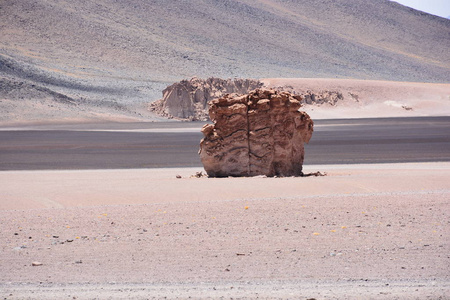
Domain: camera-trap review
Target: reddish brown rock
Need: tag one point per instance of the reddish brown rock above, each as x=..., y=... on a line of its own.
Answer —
x=261, y=133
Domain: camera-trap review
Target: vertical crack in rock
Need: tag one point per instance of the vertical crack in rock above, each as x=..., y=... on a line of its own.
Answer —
x=261, y=133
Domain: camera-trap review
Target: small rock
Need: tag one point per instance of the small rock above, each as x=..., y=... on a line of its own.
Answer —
x=178, y=176
x=79, y=261
x=199, y=175
x=36, y=263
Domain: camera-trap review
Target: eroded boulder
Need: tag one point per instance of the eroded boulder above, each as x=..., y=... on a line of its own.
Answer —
x=261, y=133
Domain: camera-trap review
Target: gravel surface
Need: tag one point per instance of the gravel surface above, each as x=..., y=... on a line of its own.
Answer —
x=370, y=231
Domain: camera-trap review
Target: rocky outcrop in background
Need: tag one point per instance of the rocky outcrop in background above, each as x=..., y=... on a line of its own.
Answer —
x=261, y=133
x=316, y=97
x=188, y=99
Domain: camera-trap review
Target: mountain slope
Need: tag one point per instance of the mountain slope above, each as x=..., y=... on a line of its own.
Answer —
x=128, y=51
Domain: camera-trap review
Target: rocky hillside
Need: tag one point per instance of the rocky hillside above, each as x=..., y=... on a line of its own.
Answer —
x=127, y=52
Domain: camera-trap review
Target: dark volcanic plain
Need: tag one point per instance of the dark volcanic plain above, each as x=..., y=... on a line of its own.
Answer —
x=174, y=144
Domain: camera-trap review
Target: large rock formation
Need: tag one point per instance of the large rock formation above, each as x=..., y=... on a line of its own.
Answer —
x=188, y=99
x=261, y=133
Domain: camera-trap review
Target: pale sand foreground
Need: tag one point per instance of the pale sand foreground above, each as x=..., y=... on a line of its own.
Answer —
x=364, y=231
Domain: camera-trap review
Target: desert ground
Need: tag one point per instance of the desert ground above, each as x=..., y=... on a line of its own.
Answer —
x=363, y=231
x=376, y=231
x=372, y=98
x=72, y=227
x=83, y=215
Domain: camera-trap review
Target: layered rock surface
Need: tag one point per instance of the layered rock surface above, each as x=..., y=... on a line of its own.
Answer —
x=188, y=99
x=261, y=133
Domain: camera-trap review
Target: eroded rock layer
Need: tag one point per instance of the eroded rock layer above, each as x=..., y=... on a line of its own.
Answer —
x=188, y=99
x=261, y=133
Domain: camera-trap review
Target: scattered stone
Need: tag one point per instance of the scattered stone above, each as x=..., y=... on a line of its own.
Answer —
x=36, y=263
x=261, y=133
x=199, y=175
x=79, y=261
x=316, y=174
x=178, y=176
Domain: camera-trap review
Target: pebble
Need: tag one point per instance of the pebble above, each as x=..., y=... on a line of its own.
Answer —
x=36, y=263
x=19, y=248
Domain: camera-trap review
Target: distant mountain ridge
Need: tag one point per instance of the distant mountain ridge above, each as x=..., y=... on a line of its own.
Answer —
x=129, y=51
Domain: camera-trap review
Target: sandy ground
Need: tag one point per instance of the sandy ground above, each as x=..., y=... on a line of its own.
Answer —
x=375, y=98
x=376, y=231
